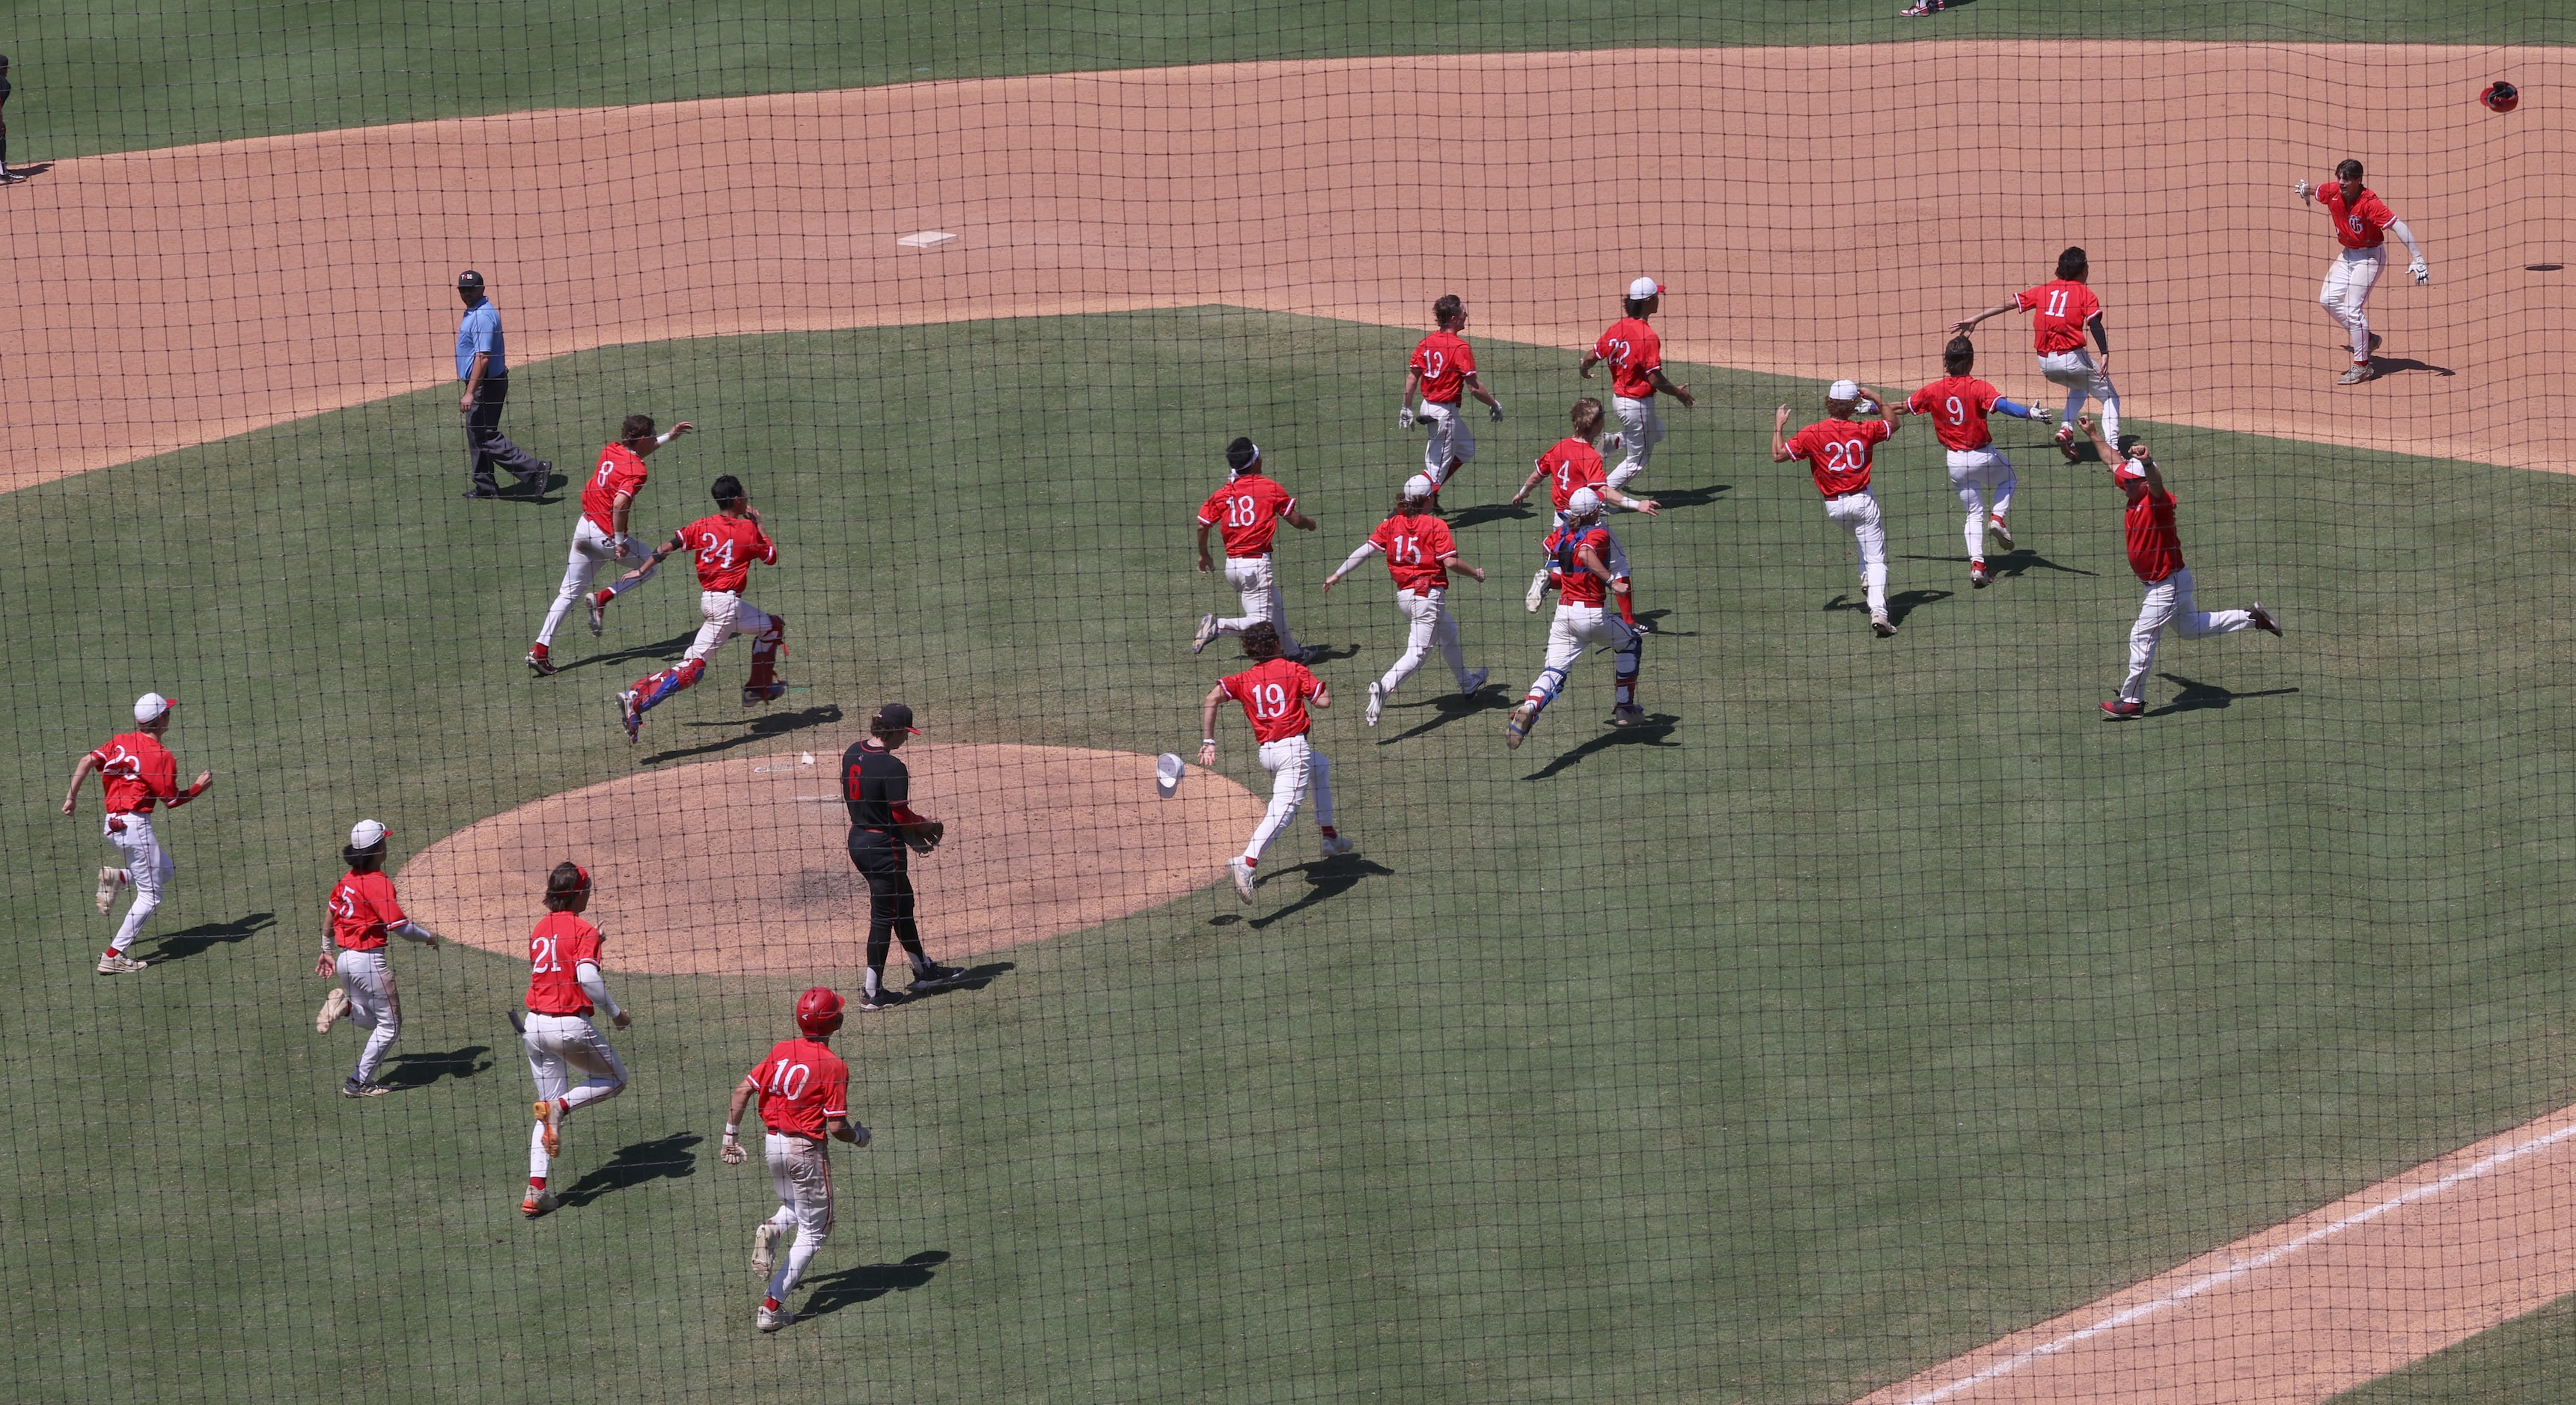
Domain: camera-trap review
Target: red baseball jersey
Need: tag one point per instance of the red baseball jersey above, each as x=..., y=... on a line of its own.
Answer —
x=1444, y=361
x=1273, y=693
x=2362, y=225
x=1572, y=464
x=1958, y=406
x=2063, y=307
x=362, y=907
x=2155, y=547
x=802, y=1084
x=1413, y=547
x=1838, y=453
x=1248, y=510
x=134, y=771
x=556, y=950
x=726, y=547
x=1632, y=349
x=1575, y=583
x=620, y=471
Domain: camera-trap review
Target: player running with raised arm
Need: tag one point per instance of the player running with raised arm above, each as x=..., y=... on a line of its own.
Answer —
x=1838, y=450
x=1572, y=465
x=2064, y=309
x=2155, y=553
x=602, y=536
x=364, y=913
x=135, y=772
x=2362, y=224
x=1583, y=578
x=1636, y=357
x=564, y=988
x=1442, y=369
x=1248, y=511
x=1958, y=404
x=1275, y=692
x=1420, y=554
x=726, y=545
x=801, y=1090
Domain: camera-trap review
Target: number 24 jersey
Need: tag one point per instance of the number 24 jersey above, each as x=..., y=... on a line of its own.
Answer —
x=726, y=547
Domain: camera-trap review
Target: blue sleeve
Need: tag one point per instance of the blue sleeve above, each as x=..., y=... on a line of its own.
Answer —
x=2019, y=412
x=482, y=326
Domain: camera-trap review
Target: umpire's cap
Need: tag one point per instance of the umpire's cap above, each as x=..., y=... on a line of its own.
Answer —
x=470, y=279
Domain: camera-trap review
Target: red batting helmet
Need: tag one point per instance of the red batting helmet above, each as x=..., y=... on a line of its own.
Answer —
x=818, y=1012
x=2500, y=96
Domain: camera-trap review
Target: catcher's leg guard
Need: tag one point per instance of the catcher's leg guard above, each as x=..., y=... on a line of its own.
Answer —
x=1624, y=667
x=652, y=688
x=767, y=648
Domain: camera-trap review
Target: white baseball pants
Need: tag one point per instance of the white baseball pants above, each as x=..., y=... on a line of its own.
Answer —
x=1640, y=430
x=374, y=1005
x=1576, y=629
x=1450, y=438
x=2075, y=371
x=2168, y=602
x=147, y=868
x=801, y=1172
x=590, y=551
x=557, y=1046
x=1432, y=626
x=1858, y=515
x=727, y=614
x=1293, y=766
x=2349, y=280
x=1984, y=479
x=1254, y=578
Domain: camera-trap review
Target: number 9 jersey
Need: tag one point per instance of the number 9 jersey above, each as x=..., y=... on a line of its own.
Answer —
x=1273, y=693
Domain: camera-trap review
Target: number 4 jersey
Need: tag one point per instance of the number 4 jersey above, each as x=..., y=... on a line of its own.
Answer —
x=726, y=547
x=1273, y=693
x=555, y=952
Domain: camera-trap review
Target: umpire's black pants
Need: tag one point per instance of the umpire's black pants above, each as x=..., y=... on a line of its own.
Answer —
x=487, y=448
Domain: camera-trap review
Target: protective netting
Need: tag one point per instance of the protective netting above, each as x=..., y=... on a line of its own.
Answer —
x=1827, y=1011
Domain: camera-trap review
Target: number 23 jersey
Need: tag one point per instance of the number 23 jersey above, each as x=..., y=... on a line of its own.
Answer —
x=1273, y=693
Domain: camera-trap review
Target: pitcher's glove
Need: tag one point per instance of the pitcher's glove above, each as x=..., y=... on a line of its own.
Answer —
x=922, y=836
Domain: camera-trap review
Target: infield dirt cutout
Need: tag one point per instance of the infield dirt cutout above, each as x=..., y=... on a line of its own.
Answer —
x=741, y=865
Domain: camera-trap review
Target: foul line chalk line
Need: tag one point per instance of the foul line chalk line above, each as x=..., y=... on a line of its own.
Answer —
x=2233, y=1272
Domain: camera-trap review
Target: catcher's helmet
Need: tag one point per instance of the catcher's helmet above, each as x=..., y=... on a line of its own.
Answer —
x=2500, y=96
x=818, y=1012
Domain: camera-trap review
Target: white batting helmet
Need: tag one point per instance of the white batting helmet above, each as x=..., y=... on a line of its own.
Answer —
x=1584, y=503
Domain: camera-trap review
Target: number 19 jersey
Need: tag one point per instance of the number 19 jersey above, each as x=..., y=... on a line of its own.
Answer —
x=1273, y=693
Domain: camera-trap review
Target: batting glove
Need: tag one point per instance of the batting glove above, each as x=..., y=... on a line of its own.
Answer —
x=1496, y=411
x=1404, y=418
x=731, y=1152
x=2423, y=271
x=2302, y=189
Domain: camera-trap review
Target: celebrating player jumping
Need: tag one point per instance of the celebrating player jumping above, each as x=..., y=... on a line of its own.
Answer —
x=1838, y=449
x=601, y=536
x=1958, y=404
x=2064, y=309
x=726, y=545
x=564, y=987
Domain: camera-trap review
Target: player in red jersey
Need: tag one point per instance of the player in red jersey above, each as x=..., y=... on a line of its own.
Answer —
x=1838, y=450
x=2362, y=224
x=2064, y=310
x=726, y=546
x=2155, y=553
x=1583, y=580
x=1636, y=357
x=1570, y=466
x=364, y=912
x=1420, y=554
x=1958, y=404
x=601, y=536
x=1443, y=368
x=1275, y=692
x=1249, y=509
x=564, y=987
x=802, y=1090
x=135, y=772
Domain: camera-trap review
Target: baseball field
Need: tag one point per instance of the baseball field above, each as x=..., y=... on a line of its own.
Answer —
x=1867, y=1023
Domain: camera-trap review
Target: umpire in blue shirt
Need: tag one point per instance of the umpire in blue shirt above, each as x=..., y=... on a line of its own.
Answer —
x=486, y=373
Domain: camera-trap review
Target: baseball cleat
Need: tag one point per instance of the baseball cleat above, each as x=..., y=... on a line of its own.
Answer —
x=1516, y=728
x=1995, y=528
x=540, y=665
x=550, y=1121
x=113, y=964
x=334, y=1005
x=540, y=480
x=769, y=1319
x=1376, y=701
x=2123, y=709
x=1881, y=625
x=764, y=1248
x=1641, y=626
x=631, y=716
x=2358, y=374
x=1627, y=715
x=1207, y=631
x=352, y=1088
x=109, y=880
x=11, y=178
x=883, y=999
x=1537, y=591
x=538, y=1202
x=1978, y=575
x=1475, y=683
x=1336, y=845
x=2263, y=620
x=935, y=977
x=1242, y=875
x=599, y=611
x=764, y=693
x=2066, y=443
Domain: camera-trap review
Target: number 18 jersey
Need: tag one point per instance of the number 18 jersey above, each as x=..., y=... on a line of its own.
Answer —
x=1273, y=693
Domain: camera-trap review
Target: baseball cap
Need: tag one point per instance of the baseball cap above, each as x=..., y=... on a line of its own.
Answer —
x=469, y=279
x=1584, y=500
x=367, y=834
x=1420, y=486
x=894, y=717
x=152, y=705
x=1644, y=288
x=1242, y=454
x=1843, y=390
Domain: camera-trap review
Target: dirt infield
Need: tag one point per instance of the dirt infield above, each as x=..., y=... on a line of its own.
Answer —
x=739, y=865
x=1805, y=227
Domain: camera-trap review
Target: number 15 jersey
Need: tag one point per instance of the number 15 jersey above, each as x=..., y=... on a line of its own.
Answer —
x=1273, y=693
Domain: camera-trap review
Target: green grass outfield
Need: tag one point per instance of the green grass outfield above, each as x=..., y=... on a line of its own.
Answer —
x=1878, y=1000
x=115, y=78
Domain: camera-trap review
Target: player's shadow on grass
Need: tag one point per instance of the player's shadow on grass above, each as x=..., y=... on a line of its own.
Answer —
x=776, y=724
x=977, y=977
x=1899, y=605
x=37, y=169
x=1654, y=622
x=422, y=1069
x=663, y=651
x=2399, y=365
x=1678, y=497
x=2196, y=696
x=1485, y=512
x=1448, y=708
x=1325, y=878
x=1656, y=730
x=2012, y=565
x=663, y=1158
x=205, y=936
x=868, y=1282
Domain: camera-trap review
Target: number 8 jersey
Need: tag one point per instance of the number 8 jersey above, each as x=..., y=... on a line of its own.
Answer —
x=1273, y=693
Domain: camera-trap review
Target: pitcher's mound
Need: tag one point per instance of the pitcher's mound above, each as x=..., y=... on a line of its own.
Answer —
x=742, y=865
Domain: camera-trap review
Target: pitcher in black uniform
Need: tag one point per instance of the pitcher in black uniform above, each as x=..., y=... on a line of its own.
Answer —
x=7, y=176
x=884, y=831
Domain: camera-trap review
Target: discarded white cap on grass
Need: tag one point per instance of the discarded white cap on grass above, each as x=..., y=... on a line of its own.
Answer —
x=1167, y=774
